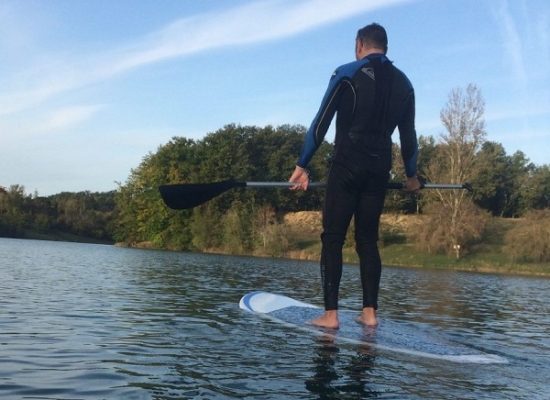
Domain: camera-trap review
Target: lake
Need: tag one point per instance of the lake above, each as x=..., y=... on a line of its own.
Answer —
x=82, y=321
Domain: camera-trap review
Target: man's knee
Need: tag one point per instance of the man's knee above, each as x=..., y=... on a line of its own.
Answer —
x=364, y=245
x=333, y=240
x=365, y=239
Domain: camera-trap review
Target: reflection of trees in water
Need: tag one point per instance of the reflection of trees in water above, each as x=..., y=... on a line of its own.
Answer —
x=341, y=377
x=445, y=298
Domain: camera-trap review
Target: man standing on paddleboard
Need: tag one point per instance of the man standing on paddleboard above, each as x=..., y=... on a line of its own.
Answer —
x=371, y=97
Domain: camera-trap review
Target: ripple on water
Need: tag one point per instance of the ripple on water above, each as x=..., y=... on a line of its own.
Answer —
x=92, y=322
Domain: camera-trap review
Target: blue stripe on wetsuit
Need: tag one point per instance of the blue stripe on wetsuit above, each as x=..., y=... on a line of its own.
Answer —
x=315, y=135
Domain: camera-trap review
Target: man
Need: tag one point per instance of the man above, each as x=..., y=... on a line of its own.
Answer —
x=371, y=97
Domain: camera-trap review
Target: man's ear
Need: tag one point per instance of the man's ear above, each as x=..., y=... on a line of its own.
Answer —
x=358, y=48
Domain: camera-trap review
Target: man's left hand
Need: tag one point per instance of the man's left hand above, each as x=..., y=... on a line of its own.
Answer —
x=300, y=178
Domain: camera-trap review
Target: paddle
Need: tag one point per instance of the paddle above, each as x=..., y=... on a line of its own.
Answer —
x=188, y=195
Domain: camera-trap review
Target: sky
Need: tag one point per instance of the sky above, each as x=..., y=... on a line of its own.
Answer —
x=89, y=88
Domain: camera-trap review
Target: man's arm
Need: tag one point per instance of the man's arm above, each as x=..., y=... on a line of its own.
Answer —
x=320, y=124
x=409, y=145
x=407, y=137
x=316, y=133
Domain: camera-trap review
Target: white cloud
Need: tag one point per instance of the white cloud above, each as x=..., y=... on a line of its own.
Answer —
x=15, y=129
x=66, y=117
x=251, y=23
x=511, y=39
x=512, y=112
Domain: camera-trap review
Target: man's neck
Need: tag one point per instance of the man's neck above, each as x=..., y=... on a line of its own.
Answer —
x=368, y=51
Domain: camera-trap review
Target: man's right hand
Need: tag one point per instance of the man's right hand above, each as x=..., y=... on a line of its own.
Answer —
x=412, y=185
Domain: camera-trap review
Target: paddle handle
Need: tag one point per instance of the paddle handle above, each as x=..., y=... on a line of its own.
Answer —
x=280, y=184
x=390, y=185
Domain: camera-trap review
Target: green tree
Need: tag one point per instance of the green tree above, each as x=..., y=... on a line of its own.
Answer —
x=537, y=189
x=240, y=152
x=519, y=171
x=205, y=231
x=13, y=211
x=237, y=225
x=142, y=216
x=491, y=191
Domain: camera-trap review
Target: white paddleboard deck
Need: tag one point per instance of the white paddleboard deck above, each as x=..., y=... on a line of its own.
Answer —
x=394, y=336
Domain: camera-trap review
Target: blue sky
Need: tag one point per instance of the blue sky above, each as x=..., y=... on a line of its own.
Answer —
x=88, y=88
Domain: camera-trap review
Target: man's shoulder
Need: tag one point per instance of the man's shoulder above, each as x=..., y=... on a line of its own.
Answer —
x=349, y=69
x=401, y=75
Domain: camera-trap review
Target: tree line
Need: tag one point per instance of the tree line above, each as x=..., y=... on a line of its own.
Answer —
x=84, y=215
x=249, y=220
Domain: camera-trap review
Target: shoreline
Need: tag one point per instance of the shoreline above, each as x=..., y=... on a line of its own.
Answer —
x=523, y=270
x=300, y=232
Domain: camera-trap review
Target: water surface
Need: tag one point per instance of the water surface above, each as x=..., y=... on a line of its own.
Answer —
x=80, y=321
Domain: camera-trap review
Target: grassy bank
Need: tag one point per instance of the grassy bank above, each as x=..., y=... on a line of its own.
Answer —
x=301, y=232
x=488, y=256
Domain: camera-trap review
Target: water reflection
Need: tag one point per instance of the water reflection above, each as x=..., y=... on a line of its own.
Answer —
x=341, y=377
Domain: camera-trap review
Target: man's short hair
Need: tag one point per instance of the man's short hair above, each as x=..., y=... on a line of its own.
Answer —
x=373, y=35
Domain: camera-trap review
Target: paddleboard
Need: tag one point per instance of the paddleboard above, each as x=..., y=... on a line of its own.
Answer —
x=392, y=336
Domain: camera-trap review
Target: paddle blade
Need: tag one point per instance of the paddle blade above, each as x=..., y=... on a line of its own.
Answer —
x=184, y=196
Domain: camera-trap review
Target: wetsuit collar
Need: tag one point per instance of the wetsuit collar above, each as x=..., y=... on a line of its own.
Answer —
x=373, y=55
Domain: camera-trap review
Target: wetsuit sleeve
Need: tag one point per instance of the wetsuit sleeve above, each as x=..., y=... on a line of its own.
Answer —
x=407, y=137
x=319, y=127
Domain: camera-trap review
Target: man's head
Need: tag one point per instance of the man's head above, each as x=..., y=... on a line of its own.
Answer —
x=371, y=38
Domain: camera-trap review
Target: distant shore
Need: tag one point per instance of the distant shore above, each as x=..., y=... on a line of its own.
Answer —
x=303, y=234
x=304, y=228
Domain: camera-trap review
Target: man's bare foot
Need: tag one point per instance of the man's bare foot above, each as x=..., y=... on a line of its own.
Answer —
x=368, y=317
x=328, y=320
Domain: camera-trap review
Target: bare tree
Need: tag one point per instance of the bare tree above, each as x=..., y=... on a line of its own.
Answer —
x=463, y=120
x=455, y=162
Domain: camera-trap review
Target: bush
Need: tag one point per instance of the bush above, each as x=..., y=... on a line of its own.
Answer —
x=269, y=234
x=529, y=240
x=390, y=234
x=236, y=226
x=437, y=236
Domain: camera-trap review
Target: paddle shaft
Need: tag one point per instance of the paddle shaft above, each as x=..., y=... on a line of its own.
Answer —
x=390, y=185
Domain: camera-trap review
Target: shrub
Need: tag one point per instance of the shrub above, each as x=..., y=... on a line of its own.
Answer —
x=270, y=235
x=529, y=241
x=436, y=234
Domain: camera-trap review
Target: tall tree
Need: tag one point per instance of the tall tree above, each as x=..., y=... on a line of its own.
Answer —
x=519, y=171
x=537, y=192
x=456, y=162
x=491, y=181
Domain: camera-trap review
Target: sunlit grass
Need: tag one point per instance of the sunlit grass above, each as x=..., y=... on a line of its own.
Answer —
x=488, y=256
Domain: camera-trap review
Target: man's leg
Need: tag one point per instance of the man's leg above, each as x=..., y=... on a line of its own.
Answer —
x=340, y=202
x=367, y=220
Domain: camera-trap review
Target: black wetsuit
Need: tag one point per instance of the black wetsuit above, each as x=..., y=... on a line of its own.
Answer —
x=371, y=97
